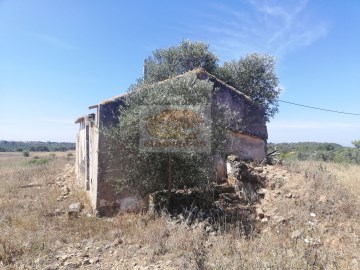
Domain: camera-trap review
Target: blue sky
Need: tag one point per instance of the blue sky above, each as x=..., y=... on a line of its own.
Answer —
x=59, y=57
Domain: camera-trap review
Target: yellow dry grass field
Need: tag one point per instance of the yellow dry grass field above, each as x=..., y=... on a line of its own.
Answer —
x=313, y=223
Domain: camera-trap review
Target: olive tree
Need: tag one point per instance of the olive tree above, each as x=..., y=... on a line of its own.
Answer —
x=149, y=171
x=255, y=76
x=166, y=63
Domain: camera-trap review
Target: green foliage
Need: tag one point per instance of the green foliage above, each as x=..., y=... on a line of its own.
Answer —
x=303, y=147
x=38, y=161
x=12, y=146
x=167, y=63
x=26, y=154
x=330, y=152
x=356, y=143
x=69, y=156
x=41, y=148
x=145, y=171
x=255, y=76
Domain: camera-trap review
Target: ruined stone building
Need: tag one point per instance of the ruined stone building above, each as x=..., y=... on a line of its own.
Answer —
x=248, y=141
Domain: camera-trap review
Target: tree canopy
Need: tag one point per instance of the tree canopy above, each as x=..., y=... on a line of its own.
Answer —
x=166, y=63
x=164, y=169
x=356, y=143
x=253, y=74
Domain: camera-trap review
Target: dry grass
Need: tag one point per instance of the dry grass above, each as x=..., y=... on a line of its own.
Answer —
x=26, y=223
x=330, y=240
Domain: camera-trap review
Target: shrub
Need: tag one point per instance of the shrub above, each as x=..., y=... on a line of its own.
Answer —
x=38, y=161
x=26, y=154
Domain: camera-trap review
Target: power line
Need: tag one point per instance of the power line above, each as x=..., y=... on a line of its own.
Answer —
x=316, y=108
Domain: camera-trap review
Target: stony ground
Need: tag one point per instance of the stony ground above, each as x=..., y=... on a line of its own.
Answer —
x=305, y=220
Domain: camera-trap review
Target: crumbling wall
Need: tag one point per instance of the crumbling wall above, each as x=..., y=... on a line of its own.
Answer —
x=80, y=153
x=110, y=201
x=86, y=155
x=246, y=147
x=93, y=166
x=247, y=182
x=247, y=132
x=248, y=117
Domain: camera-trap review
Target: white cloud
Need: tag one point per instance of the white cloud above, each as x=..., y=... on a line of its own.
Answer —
x=267, y=26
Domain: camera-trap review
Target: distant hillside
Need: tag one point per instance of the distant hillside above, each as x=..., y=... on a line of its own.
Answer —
x=316, y=151
x=13, y=146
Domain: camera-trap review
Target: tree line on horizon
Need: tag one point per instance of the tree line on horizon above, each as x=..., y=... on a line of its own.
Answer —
x=329, y=152
x=35, y=146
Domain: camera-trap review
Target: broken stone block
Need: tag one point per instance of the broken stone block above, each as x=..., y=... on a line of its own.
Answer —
x=264, y=220
x=94, y=260
x=65, y=191
x=213, y=233
x=74, y=209
x=209, y=229
x=261, y=191
x=86, y=261
x=233, y=158
x=260, y=213
x=312, y=241
x=258, y=169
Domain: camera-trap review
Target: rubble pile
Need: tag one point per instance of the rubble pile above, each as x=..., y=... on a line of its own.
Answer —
x=237, y=199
